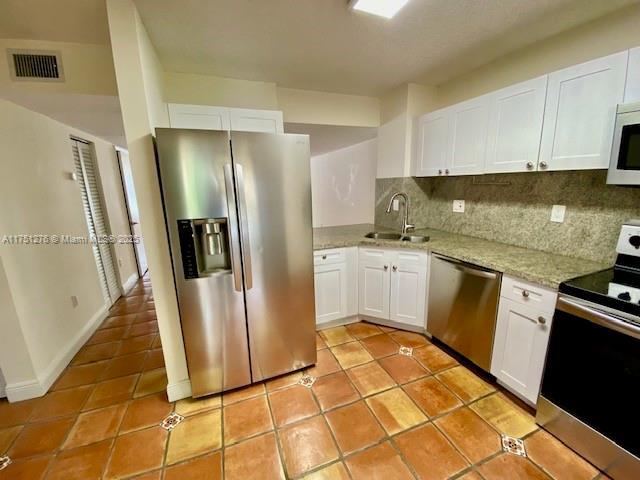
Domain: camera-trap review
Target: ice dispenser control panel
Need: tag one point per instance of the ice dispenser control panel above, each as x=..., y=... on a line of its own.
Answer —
x=204, y=246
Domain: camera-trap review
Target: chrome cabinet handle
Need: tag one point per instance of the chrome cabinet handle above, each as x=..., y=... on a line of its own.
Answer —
x=439, y=172
x=530, y=165
x=324, y=257
x=542, y=320
x=386, y=267
x=525, y=293
x=395, y=269
x=234, y=240
x=543, y=164
x=446, y=172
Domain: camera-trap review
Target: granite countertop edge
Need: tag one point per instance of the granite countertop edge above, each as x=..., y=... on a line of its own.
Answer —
x=542, y=268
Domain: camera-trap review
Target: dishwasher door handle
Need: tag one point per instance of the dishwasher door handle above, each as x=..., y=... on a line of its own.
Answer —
x=469, y=270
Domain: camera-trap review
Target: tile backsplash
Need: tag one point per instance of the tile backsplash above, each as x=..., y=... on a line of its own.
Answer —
x=516, y=209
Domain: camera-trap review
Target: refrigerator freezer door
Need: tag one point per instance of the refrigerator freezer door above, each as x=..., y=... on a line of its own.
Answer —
x=273, y=183
x=199, y=200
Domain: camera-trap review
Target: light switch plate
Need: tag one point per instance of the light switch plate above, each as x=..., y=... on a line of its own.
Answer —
x=458, y=206
x=396, y=205
x=557, y=213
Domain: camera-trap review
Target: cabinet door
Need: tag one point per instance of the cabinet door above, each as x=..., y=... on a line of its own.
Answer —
x=331, y=292
x=632, y=88
x=520, y=346
x=198, y=116
x=373, y=283
x=408, y=289
x=432, y=152
x=515, y=127
x=246, y=120
x=580, y=114
x=468, y=136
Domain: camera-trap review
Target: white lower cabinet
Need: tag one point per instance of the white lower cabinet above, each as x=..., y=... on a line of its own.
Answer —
x=335, y=278
x=392, y=285
x=521, y=336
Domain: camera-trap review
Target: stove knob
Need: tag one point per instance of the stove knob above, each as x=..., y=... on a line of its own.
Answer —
x=626, y=296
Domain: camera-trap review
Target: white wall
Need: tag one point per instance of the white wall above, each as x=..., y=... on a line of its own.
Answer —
x=39, y=197
x=343, y=185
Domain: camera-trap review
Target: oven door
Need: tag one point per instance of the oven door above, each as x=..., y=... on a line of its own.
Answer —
x=589, y=396
x=624, y=167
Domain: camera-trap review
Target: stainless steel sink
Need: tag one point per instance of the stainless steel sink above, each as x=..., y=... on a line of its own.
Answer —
x=397, y=236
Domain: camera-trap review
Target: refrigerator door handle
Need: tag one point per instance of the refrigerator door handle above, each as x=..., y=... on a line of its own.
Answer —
x=244, y=227
x=234, y=240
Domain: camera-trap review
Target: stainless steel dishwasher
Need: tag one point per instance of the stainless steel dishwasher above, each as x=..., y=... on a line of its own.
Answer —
x=462, y=307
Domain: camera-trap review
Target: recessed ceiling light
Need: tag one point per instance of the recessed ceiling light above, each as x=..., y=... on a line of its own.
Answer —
x=382, y=8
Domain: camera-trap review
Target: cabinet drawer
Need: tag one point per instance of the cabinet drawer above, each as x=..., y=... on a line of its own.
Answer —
x=526, y=293
x=328, y=257
x=411, y=258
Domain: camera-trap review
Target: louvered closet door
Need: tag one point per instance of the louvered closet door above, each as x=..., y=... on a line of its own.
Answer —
x=96, y=221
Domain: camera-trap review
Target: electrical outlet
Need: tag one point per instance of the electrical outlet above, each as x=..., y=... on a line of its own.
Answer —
x=458, y=206
x=396, y=205
x=74, y=301
x=557, y=213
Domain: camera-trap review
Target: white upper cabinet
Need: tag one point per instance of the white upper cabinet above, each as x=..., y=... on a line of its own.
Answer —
x=433, y=150
x=206, y=117
x=632, y=89
x=468, y=136
x=515, y=127
x=202, y=117
x=580, y=114
x=245, y=120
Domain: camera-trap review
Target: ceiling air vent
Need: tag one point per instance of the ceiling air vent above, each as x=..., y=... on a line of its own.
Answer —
x=43, y=65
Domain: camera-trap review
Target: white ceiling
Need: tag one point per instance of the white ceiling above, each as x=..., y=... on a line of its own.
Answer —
x=328, y=138
x=321, y=45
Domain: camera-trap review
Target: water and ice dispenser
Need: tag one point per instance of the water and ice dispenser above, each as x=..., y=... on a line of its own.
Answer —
x=204, y=244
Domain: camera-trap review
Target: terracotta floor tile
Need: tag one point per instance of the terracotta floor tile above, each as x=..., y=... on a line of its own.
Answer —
x=556, y=459
x=430, y=453
x=118, y=321
x=335, y=471
x=82, y=463
x=325, y=364
x=80, y=375
x=157, y=342
x=243, y=393
x=137, y=452
x=380, y=345
x=336, y=336
x=363, y=330
x=403, y=369
x=146, y=412
x=370, y=378
x=107, y=335
x=354, y=427
x=395, y=410
x=124, y=365
x=465, y=384
x=292, y=404
x=409, y=339
x=504, y=415
x=378, y=463
x=135, y=344
x=258, y=454
x=96, y=425
x=246, y=419
x=40, y=438
x=145, y=316
x=94, y=353
x=16, y=413
x=191, y=406
x=208, y=467
x=61, y=403
x=196, y=435
x=154, y=475
x=123, y=309
x=432, y=396
x=7, y=436
x=139, y=329
x=334, y=390
x=155, y=359
x=386, y=329
x=470, y=434
x=434, y=358
x=351, y=354
x=512, y=467
x=307, y=445
x=320, y=342
x=283, y=381
x=153, y=381
x=111, y=392
x=29, y=469
x=470, y=476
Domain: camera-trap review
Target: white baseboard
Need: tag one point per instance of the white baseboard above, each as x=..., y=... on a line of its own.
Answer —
x=39, y=386
x=178, y=391
x=130, y=283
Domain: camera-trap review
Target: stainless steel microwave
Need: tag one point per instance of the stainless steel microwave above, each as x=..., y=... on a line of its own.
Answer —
x=624, y=167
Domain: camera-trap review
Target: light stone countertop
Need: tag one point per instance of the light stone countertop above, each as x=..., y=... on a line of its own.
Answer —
x=539, y=267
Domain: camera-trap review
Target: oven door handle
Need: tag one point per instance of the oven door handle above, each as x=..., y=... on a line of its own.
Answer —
x=604, y=319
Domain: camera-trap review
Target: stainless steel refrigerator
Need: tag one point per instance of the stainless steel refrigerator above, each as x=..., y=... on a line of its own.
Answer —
x=238, y=214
